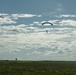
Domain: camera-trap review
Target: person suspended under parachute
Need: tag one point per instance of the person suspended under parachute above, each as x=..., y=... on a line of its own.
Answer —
x=47, y=23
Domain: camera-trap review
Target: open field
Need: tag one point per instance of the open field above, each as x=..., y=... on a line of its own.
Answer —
x=37, y=67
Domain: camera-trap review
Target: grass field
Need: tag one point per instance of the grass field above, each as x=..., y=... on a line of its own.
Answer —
x=37, y=68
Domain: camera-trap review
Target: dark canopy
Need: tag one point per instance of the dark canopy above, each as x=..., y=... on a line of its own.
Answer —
x=47, y=23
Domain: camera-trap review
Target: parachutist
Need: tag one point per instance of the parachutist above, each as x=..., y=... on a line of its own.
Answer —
x=46, y=31
x=47, y=23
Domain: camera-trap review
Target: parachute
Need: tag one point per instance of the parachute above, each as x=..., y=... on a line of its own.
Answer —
x=47, y=23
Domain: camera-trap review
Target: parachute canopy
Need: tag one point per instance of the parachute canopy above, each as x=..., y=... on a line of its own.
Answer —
x=47, y=23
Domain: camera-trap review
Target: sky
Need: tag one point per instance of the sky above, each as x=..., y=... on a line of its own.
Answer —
x=23, y=36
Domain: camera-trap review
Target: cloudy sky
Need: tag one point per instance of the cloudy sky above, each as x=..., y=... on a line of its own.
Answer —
x=23, y=36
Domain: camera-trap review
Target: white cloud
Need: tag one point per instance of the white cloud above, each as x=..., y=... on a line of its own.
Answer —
x=68, y=22
x=12, y=18
x=51, y=52
x=29, y=37
x=3, y=14
x=65, y=16
x=53, y=21
x=34, y=52
x=47, y=53
x=39, y=15
x=36, y=22
x=22, y=25
x=31, y=28
x=22, y=15
x=16, y=16
x=6, y=21
x=53, y=43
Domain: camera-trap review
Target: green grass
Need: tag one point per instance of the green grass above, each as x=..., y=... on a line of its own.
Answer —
x=37, y=68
